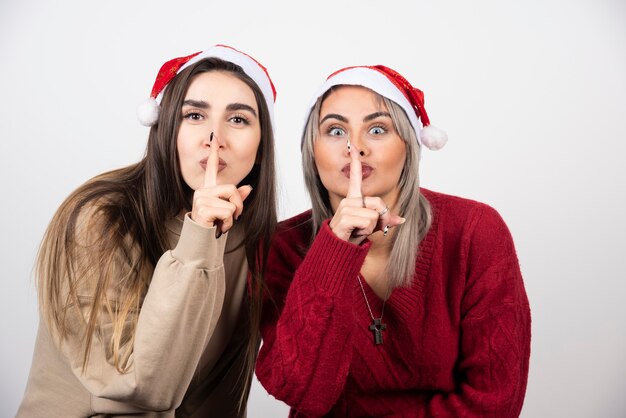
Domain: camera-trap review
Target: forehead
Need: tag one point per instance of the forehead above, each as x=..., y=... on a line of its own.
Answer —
x=220, y=85
x=352, y=99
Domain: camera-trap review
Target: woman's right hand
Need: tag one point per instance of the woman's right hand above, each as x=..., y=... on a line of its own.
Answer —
x=358, y=216
x=217, y=205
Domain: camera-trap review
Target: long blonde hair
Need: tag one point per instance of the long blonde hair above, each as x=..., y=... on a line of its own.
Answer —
x=121, y=215
x=413, y=205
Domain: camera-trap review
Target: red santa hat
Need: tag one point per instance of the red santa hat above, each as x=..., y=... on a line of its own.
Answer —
x=148, y=112
x=390, y=84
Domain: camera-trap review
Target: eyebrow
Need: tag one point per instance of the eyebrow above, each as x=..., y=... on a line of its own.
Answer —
x=201, y=104
x=196, y=103
x=241, y=106
x=376, y=115
x=365, y=119
x=334, y=116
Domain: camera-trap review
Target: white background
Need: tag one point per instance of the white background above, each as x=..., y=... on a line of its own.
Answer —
x=530, y=92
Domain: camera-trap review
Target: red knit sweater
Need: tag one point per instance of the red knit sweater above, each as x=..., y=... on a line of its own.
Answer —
x=457, y=341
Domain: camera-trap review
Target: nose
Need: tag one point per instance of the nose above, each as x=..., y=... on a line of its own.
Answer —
x=212, y=139
x=359, y=144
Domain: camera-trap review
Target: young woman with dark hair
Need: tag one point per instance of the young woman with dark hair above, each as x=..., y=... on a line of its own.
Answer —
x=149, y=276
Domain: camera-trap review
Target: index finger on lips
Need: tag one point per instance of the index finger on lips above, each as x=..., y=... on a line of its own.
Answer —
x=212, y=164
x=356, y=174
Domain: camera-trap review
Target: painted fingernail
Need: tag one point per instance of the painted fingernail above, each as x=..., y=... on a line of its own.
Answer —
x=211, y=137
x=386, y=230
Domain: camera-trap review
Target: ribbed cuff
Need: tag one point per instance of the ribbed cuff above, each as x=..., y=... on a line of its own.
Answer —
x=197, y=245
x=332, y=262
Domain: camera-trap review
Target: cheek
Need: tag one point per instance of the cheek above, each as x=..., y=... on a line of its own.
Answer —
x=244, y=155
x=247, y=149
x=185, y=157
x=328, y=163
x=399, y=164
x=396, y=157
x=183, y=143
x=325, y=157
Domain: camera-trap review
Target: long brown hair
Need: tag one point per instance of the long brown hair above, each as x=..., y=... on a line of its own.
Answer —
x=123, y=213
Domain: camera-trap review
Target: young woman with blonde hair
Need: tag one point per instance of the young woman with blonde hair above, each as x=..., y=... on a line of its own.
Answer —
x=387, y=299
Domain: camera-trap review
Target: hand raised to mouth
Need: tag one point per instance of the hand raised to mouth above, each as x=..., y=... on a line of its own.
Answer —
x=217, y=205
x=358, y=216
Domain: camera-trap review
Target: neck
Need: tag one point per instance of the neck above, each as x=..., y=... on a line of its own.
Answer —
x=375, y=264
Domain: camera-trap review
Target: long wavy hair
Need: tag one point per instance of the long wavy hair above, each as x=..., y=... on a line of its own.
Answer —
x=124, y=211
x=412, y=204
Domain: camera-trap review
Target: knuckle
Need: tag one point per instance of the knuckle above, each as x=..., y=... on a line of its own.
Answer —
x=204, y=212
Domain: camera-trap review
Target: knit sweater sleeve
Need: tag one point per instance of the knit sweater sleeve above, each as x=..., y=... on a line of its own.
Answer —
x=306, y=327
x=173, y=325
x=495, y=328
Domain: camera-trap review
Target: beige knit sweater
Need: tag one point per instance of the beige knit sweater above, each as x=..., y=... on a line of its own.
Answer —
x=189, y=343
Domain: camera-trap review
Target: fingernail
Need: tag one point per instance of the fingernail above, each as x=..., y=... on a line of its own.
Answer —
x=218, y=233
x=361, y=153
x=211, y=138
x=386, y=230
x=402, y=220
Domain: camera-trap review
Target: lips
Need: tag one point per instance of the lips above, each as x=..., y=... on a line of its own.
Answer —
x=365, y=169
x=221, y=165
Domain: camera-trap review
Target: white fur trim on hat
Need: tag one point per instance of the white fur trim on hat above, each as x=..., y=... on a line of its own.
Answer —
x=249, y=66
x=429, y=136
x=148, y=112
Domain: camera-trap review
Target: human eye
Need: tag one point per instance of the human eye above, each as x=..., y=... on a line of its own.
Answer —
x=377, y=130
x=239, y=119
x=336, y=131
x=192, y=115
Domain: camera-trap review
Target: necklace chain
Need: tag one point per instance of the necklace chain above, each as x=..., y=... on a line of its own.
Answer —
x=369, y=308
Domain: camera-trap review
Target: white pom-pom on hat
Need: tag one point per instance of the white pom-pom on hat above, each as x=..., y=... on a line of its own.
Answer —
x=148, y=112
x=433, y=138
